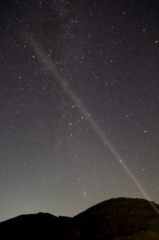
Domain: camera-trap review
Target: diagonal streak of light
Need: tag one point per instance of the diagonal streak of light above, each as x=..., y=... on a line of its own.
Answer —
x=50, y=66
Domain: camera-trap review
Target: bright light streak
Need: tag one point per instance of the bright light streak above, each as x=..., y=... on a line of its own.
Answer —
x=50, y=66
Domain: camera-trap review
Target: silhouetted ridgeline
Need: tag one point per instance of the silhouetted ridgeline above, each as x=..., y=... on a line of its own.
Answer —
x=114, y=219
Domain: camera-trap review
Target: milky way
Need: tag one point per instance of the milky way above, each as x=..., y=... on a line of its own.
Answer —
x=79, y=95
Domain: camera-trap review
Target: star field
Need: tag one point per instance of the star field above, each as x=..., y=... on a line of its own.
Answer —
x=79, y=100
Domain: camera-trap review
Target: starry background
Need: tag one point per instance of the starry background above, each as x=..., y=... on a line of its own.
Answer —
x=107, y=53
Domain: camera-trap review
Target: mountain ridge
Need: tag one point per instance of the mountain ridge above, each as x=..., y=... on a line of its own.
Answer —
x=116, y=219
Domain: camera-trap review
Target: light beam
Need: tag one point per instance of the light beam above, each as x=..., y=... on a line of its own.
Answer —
x=50, y=66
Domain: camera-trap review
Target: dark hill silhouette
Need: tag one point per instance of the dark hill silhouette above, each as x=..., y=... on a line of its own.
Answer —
x=114, y=219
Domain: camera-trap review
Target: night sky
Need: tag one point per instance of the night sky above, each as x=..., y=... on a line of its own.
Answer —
x=79, y=104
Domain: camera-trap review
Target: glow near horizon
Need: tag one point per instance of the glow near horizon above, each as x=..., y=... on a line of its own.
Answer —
x=48, y=63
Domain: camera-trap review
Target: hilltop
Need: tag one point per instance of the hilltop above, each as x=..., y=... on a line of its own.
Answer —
x=114, y=219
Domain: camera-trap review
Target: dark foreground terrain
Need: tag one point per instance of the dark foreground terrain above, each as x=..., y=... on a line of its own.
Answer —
x=114, y=219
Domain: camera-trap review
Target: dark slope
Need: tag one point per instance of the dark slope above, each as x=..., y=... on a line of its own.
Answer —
x=124, y=217
x=34, y=226
x=116, y=219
